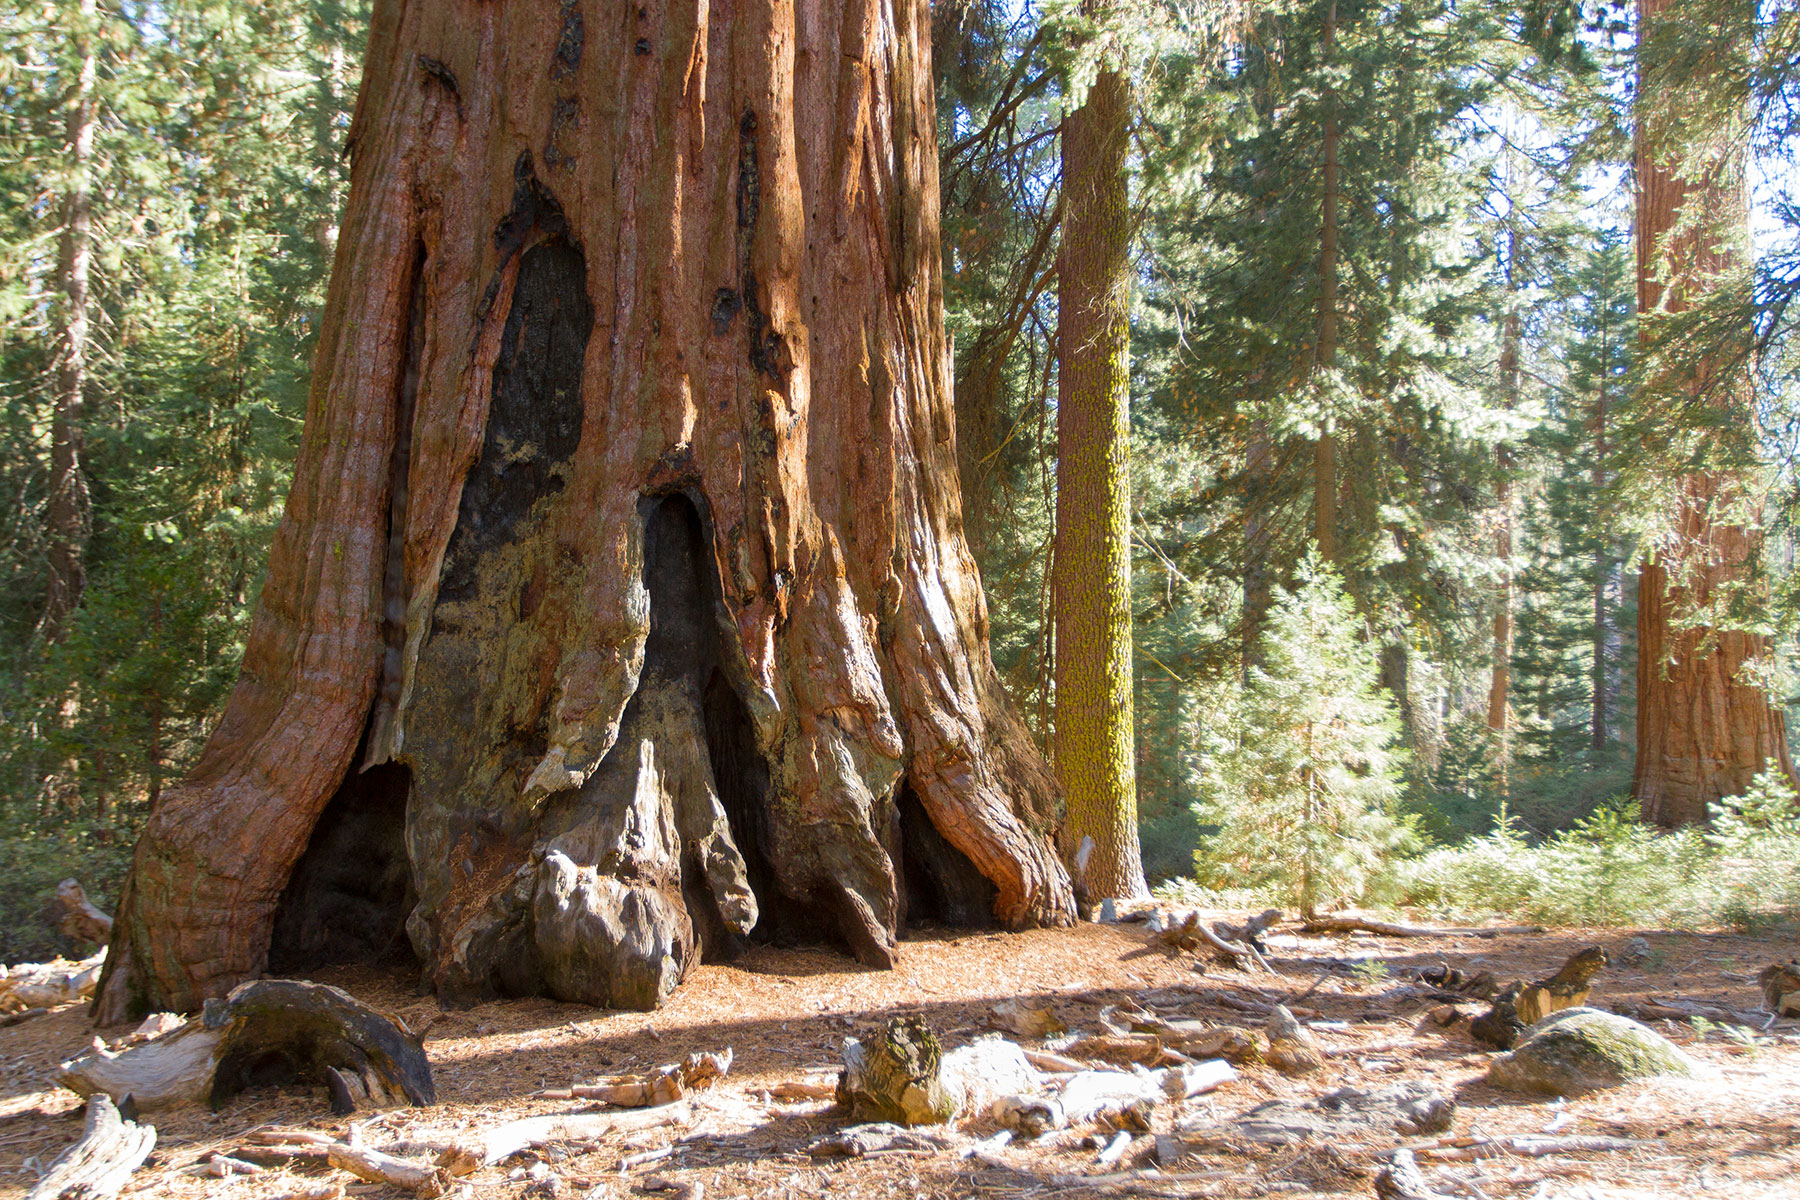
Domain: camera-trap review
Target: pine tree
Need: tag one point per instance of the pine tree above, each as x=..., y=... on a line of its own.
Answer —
x=1303, y=802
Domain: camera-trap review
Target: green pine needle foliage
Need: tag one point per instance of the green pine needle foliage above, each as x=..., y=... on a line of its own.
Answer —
x=1304, y=799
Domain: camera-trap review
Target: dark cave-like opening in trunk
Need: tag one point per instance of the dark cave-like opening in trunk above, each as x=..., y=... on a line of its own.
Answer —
x=939, y=883
x=348, y=899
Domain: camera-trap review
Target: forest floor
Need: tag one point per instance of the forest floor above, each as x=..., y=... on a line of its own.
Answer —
x=1733, y=1131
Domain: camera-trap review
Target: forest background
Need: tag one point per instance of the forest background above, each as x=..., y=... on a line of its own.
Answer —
x=1503, y=451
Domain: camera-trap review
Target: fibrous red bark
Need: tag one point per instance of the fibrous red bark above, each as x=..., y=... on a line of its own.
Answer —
x=622, y=587
x=1704, y=725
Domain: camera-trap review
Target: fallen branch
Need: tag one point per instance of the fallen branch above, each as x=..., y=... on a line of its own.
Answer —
x=1237, y=952
x=1396, y=929
x=1060, y=1064
x=101, y=1163
x=419, y=1178
x=19, y=1018
x=492, y=1145
x=797, y=1091
x=1115, y=1149
x=1526, y=1145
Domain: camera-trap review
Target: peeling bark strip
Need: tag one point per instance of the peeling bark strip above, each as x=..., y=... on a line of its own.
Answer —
x=665, y=638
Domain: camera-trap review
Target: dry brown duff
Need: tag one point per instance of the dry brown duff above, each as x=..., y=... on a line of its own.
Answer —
x=621, y=605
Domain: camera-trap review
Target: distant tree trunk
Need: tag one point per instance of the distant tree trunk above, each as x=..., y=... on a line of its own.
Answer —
x=1092, y=581
x=68, y=494
x=1325, y=352
x=1602, y=573
x=1259, y=481
x=1501, y=677
x=621, y=608
x=1703, y=731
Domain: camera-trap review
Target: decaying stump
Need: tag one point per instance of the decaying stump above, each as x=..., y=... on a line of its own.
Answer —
x=273, y=1031
x=1523, y=1004
x=621, y=599
x=79, y=918
x=101, y=1163
x=895, y=1076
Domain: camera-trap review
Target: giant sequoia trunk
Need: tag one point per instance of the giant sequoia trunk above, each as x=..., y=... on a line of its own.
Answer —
x=621, y=608
x=1703, y=729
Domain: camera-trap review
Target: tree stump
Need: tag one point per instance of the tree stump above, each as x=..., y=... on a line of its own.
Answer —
x=621, y=607
x=894, y=1077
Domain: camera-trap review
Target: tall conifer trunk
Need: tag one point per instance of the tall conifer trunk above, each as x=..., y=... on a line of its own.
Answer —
x=1602, y=575
x=68, y=492
x=1325, y=351
x=1501, y=678
x=1703, y=731
x=621, y=608
x=1092, y=571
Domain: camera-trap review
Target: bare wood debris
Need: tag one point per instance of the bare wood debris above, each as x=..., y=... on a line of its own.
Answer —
x=1781, y=988
x=101, y=1163
x=80, y=919
x=51, y=984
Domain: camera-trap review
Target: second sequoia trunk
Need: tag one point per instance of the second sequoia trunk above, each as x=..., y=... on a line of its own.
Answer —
x=621, y=606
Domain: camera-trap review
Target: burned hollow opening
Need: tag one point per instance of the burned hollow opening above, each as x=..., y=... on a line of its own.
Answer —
x=348, y=899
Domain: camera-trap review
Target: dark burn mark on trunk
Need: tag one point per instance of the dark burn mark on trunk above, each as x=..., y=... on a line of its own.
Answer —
x=765, y=346
x=534, y=418
x=749, y=188
x=437, y=71
x=726, y=305
x=565, y=122
x=535, y=210
x=569, y=41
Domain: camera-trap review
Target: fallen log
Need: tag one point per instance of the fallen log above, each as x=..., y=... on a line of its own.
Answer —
x=1521, y=1004
x=421, y=1179
x=47, y=985
x=266, y=1032
x=1400, y=930
x=101, y=1163
x=20, y=1017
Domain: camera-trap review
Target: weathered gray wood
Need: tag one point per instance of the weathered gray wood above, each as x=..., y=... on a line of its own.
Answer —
x=101, y=1163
